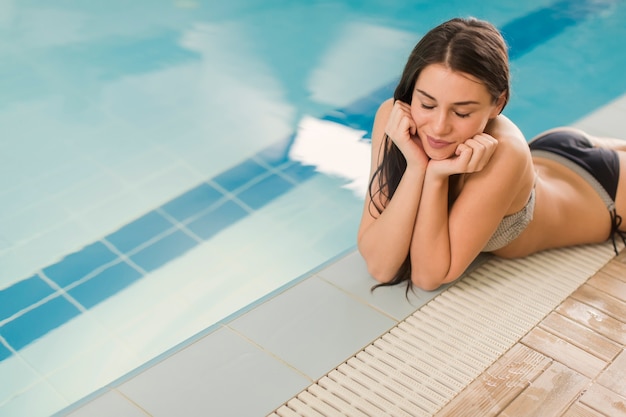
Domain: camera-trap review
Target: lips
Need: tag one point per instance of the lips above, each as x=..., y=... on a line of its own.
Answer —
x=437, y=144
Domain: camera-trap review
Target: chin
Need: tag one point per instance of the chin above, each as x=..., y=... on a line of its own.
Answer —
x=438, y=155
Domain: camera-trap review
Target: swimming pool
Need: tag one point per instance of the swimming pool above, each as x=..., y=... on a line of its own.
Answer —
x=156, y=158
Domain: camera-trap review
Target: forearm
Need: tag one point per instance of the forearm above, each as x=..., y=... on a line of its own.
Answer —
x=385, y=243
x=430, y=245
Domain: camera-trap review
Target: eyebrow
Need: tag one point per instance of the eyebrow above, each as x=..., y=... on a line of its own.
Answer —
x=459, y=103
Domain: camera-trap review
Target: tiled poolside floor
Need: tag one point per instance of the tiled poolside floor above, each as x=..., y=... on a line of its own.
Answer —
x=572, y=363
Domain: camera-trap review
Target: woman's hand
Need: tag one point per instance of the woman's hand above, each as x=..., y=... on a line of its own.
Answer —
x=402, y=130
x=470, y=156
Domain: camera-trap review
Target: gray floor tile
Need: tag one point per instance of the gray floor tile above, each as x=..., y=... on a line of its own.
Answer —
x=111, y=403
x=313, y=326
x=350, y=274
x=221, y=374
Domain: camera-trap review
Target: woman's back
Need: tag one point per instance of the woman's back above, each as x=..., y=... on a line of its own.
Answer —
x=567, y=212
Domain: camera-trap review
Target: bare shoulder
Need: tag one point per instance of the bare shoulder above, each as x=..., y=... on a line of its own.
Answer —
x=382, y=115
x=380, y=122
x=512, y=146
x=509, y=176
x=386, y=106
x=503, y=129
x=511, y=163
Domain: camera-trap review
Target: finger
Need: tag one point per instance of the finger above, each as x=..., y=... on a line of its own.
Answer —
x=406, y=109
x=402, y=104
x=489, y=142
x=478, y=148
x=413, y=127
x=478, y=156
x=485, y=138
x=484, y=147
x=464, y=154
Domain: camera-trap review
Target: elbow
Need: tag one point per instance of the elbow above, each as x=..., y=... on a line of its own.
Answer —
x=379, y=274
x=430, y=283
x=426, y=285
x=378, y=270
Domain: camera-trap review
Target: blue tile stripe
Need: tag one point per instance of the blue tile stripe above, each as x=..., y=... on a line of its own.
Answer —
x=4, y=352
x=38, y=321
x=32, y=307
x=22, y=295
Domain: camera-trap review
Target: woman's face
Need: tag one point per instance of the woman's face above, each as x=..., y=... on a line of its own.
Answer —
x=448, y=108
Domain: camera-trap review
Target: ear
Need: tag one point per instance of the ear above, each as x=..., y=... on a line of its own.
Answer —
x=497, y=109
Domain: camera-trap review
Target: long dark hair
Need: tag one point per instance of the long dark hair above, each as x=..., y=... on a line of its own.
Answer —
x=472, y=46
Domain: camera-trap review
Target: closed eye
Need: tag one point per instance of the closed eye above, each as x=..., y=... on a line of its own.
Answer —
x=461, y=115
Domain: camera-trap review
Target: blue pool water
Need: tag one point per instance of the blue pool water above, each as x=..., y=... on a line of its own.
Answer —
x=150, y=182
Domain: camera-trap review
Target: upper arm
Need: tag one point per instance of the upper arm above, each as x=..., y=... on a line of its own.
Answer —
x=378, y=134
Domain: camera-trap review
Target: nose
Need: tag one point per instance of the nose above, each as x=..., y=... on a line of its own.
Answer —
x=441, y=123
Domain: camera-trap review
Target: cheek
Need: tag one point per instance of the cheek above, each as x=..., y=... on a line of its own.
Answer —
x=474, y=127
x=418, y=116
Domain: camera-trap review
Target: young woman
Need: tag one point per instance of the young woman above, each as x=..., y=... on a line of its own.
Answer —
x=452, y=177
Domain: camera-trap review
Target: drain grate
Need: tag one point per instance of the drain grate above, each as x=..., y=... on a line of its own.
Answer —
x=426, y=360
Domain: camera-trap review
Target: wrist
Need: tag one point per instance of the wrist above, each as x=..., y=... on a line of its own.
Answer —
x=415, y=169
x=436, y=176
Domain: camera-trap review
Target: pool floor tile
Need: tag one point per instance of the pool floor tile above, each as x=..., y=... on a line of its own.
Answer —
x=111, y=403
x=40, y=399
x=104, y=285
x=53, y=351
x=213, y=221
x=22, y=376
x=4, y=353
x=21, y=295
x=239, y=175
x=77, y=265
x=323, y=328
x=35, y=323
x=299, y=172
x=139, y=231
x=193, y=202
x=221, y=374
x=89, y=371
x=277, y=153
x=163, y=250
x=266, y=190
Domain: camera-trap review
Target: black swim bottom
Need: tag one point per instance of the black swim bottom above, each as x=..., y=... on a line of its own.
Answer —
x=598, y=166
x=601, y=163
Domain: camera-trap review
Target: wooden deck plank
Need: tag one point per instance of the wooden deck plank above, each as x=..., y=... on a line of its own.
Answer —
x=609, y=284
x=605, y=401
x=580, y=410
x=602, y=301
x=564, y=352
x=549, y=395
x=594, y=319
x=616, y=267
x=490, y=393
x=614, y=376
x=581, y=336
